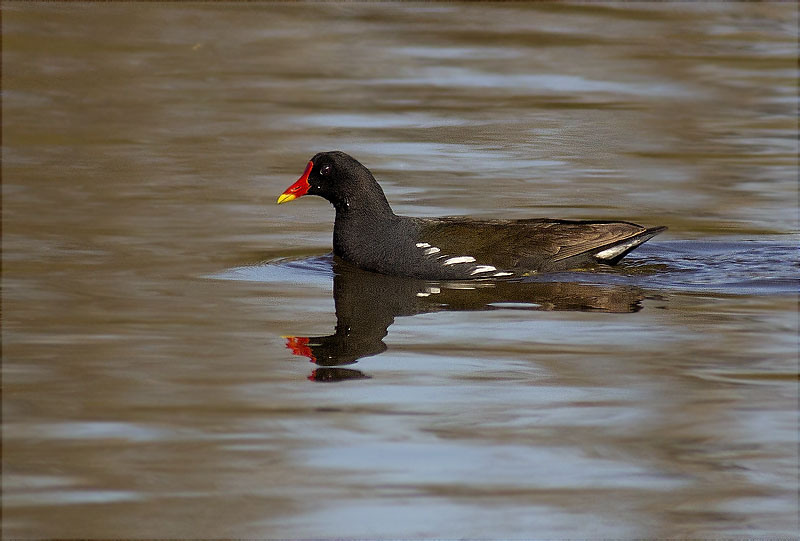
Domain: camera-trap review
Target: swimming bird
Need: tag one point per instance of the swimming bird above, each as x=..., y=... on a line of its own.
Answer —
x=369, y=235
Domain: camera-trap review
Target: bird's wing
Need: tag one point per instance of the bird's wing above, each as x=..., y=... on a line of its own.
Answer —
x=509, y=243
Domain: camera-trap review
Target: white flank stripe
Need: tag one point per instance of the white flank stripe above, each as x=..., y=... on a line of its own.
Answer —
x=422, y=245
x=423, y=294
x=483, y=268
x=433, y=250
x=459, y=259
x=503, y=274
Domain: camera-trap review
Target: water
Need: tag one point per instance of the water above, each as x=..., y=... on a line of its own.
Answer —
x=160, y=313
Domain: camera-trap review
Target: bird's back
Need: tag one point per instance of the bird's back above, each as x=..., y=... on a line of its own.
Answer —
x=531, y=245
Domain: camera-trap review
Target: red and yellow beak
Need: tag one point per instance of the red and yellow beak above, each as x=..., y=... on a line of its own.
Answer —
x=297, y=189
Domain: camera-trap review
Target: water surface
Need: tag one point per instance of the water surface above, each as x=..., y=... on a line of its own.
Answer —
x=151, y=286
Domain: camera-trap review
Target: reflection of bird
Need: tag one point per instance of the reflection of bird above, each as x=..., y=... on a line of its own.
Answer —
x=369, y=235
x=367, y=304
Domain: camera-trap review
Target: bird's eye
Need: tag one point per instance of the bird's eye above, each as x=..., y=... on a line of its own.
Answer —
x=325, y=170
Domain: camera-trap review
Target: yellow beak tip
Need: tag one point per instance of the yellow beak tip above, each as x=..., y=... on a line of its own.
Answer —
x=285, y=198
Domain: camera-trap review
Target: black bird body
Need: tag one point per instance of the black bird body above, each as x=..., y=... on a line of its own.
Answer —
x=369, y=235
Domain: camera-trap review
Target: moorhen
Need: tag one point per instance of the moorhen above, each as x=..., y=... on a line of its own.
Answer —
x=369, y=235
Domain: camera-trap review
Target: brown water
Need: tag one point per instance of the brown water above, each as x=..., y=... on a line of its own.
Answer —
x=148, y=278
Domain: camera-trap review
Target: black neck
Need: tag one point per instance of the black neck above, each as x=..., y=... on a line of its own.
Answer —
x=369, y=204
